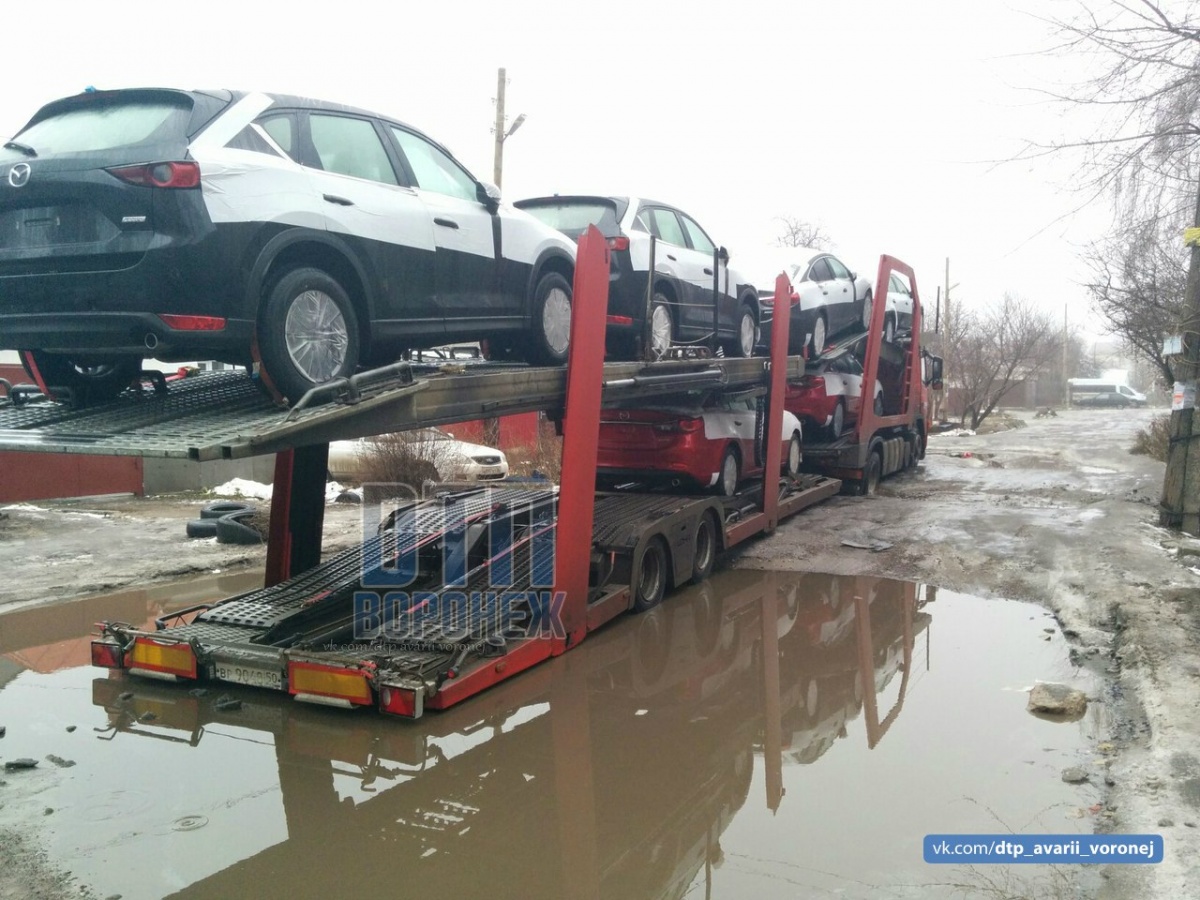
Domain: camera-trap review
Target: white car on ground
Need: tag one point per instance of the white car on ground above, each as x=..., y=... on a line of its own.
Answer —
x=454, y=460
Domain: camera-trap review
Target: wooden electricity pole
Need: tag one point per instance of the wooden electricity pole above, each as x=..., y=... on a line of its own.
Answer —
x=498, y=166
x=1180, y=506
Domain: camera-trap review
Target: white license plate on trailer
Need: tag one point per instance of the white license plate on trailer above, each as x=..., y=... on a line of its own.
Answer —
x=250, y=675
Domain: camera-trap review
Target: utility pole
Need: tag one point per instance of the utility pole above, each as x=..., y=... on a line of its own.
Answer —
x=1180, y=506
x=498, y=166
x=947, y=318
x=1066, y=345
x=502, y=134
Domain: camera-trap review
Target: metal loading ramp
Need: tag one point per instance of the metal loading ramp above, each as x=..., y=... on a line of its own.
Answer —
x=223, y=415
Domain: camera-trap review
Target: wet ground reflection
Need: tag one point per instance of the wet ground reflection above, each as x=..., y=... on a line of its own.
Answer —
x=762, y=734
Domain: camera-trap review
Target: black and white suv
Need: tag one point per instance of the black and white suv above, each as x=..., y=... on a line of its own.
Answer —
x=251, y=228
x=686, y=259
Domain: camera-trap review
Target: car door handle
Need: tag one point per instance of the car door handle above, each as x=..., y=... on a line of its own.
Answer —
x=446, y=223
x=707, y=271
x=671, y=258
x=737, y=421
x=340, y=201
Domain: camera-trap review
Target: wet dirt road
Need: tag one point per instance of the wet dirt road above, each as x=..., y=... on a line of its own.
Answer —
x=766, y=734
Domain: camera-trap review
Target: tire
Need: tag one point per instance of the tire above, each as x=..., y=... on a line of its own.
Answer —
x=795, y=455
x=704, y=548
x=838, y=423
x=307, y=332
x=650, y=575
x=729, y=475
x=662, y=327
x=549, y=338
x=747, y=333
x=201, y=528
x=92, y=382
x=889, y=330
x=820, y=336
x=232, y=529
x=220, y=508
x=868, y=308
x=870, y=480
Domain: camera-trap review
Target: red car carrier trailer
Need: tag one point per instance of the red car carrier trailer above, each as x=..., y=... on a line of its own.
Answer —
x=460, y=590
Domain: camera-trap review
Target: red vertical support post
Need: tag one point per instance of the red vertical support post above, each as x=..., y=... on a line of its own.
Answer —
x=776, y=387
x=867, y=420
x=581, y=430
x=279, y=536
x=772, y=709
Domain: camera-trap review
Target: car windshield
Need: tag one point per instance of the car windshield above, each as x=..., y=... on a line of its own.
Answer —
x=105, y=126
x=572, y=217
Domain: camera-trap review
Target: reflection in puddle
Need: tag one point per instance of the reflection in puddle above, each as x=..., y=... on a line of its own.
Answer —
x=761, y=735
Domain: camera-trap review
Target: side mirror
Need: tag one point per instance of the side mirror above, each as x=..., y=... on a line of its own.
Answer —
x=723, y=254
x=853, y=276
x=488, y=194
x=935, y=372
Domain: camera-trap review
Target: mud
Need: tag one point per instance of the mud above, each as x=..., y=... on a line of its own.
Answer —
x=694, y=761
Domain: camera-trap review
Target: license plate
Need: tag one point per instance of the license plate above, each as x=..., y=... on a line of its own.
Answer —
x=255, y=677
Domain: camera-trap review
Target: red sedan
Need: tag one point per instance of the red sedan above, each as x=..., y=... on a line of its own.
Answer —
x=830, y=394
x=709, y=445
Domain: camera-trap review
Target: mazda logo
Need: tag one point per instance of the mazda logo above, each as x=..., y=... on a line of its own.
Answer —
x=18, y=175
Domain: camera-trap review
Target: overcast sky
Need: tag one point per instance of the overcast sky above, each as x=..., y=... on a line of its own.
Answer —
x=878, y=120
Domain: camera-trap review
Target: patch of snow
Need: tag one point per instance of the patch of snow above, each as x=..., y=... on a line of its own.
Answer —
x=955, y=432
x=22, y=507
x=242, y=487
x=1097, y=470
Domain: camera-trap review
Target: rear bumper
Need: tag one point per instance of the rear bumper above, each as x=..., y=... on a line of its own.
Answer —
x=126, y=332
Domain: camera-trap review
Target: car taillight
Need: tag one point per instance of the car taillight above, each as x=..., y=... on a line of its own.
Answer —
x=161, y=175
x=766, y=299
x=813, y=381
x=618, y=243
x=194, y=323
x=685, y=425
x=794, y=298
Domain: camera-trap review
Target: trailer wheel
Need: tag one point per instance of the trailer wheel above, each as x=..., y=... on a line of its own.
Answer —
x=795, y=455
x=730, y=473
x=705, y=548
x=868, y=308
x=650, y=576
x=870, y=480
x=820, y=334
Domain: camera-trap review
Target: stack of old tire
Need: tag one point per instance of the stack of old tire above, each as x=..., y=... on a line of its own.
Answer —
x=230, y=522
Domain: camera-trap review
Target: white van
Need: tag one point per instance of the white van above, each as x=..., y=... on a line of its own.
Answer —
x=1101, y=392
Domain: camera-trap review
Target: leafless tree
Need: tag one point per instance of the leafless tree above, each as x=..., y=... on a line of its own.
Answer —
x=996, y=348
x=1139, y=284
x=798, y=233
x=1145, y=89
x=1140, y=104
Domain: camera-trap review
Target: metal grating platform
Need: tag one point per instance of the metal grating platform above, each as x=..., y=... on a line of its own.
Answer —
x=265, y=607
x=223, y=415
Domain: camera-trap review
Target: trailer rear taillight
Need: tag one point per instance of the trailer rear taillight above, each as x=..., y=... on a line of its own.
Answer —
x=330, y=685
x=107, y=654
x=162, y=659
x=193, y=323
x=402, y=701
x=160, y=175
x=618, y=243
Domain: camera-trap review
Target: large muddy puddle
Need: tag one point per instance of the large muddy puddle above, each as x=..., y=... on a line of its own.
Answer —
x=763, y=735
